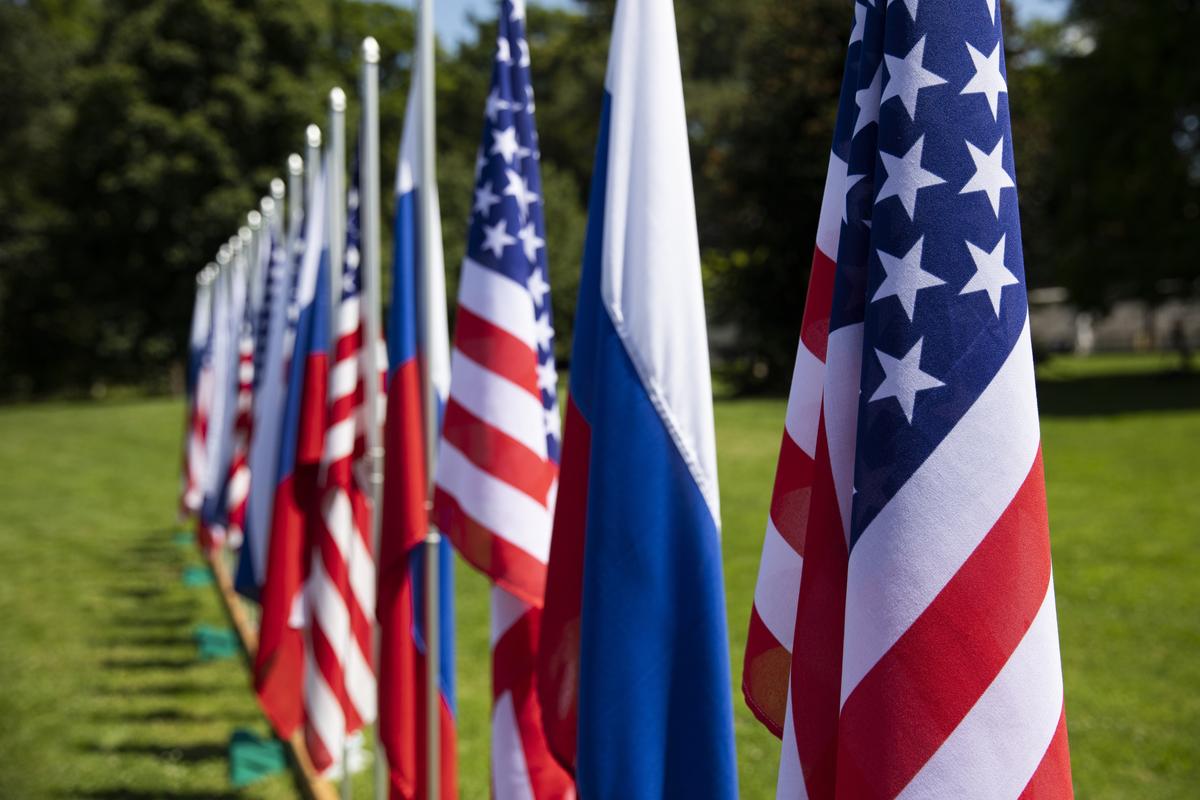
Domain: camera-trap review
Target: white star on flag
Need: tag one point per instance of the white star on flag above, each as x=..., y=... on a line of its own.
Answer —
x=523, y=49
x=987, y=81
x=907, y=76
x=518, y=12
x=503, y=54
x=518, y=189
x=911, y=5
x=543, y=331
x=537, y=286
x=553, y=422
x=495, y=104
x=990, y=176
x=904, y=278
x=547, y=375
x=496, y=238
x=860, y=22
x=903, y=378
x=906, y=176
x=485, y=198
x=867, y=101
x=991, y=275
x=991, y=4
x=530, y=242
x=504, y=143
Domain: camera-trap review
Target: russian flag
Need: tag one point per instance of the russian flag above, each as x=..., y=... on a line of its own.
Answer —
x=635, y=682
x=418, y=303
x=279, y=665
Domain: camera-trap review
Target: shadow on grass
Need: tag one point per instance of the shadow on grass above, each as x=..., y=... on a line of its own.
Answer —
x=157, y=794
x=154, y=640
x=175, y=754
x=177, y=615
x=153, y=663
x=171, y=689
x=1103, y=395
x=152, y=715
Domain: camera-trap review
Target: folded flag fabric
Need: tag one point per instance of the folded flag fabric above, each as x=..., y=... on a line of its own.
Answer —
x=270, y=387
x=341, y=583
x=417, y=336
x=199, y=389
x=903, y=640
x=634, y=622
x=279, y=668
x=498, y=454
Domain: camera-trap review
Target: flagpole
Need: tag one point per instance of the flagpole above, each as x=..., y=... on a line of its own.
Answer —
x=295, y=201
x=278, y=193
x=336, y=206
x=312, y=161
x=370, y=243
x=428, y=182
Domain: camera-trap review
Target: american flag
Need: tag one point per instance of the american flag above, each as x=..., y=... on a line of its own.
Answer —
x=237, y=490
x=341, y=582
x=498, y=456
x=903, y=640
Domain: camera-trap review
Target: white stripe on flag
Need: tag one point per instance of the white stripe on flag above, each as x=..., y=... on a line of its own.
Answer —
x=498, y=299
x=507, y=512
x=506, y=610
x=499, y=402
x=804, y=400
x=921, y=538
x=997, y=747
x=510, y=772
x=778, y=583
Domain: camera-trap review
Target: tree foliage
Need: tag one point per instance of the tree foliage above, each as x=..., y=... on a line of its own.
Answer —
x=137, y=133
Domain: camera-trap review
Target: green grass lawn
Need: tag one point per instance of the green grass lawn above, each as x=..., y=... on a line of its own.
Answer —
x=102, y=696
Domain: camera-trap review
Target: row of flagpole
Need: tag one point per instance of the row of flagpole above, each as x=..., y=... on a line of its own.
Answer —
x=903, y=638
x=282, y=211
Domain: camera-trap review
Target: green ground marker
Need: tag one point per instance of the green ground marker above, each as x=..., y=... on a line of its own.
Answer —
x=252, y=758
x=196, y=575
x=214, y=644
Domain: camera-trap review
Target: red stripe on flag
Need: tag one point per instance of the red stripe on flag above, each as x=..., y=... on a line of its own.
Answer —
x=818, y=304
x=792, y=495
x=765, y=675
x=496, y=350
x=510, y=567
x=1052, y=778
x=920, y=690
x=337, y=573
x=514, y=658
x=558, y=650
x=497, y=453
x=279, y=663
x=331, y=673
x=816, y=677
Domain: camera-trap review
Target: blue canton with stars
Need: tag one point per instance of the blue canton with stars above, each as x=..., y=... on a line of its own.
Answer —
x=351, y=260
x=929, y=260
x=508, y=229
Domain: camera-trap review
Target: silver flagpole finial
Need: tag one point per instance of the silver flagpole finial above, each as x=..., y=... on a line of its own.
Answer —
x=370, y=50
x=337, y=99
x=295, y=164
x=312, y=136
x=253, y=221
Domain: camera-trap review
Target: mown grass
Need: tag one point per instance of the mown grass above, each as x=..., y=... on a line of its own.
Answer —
x=102, y=696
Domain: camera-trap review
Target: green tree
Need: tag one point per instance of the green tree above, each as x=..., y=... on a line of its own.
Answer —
x=1123, y=211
